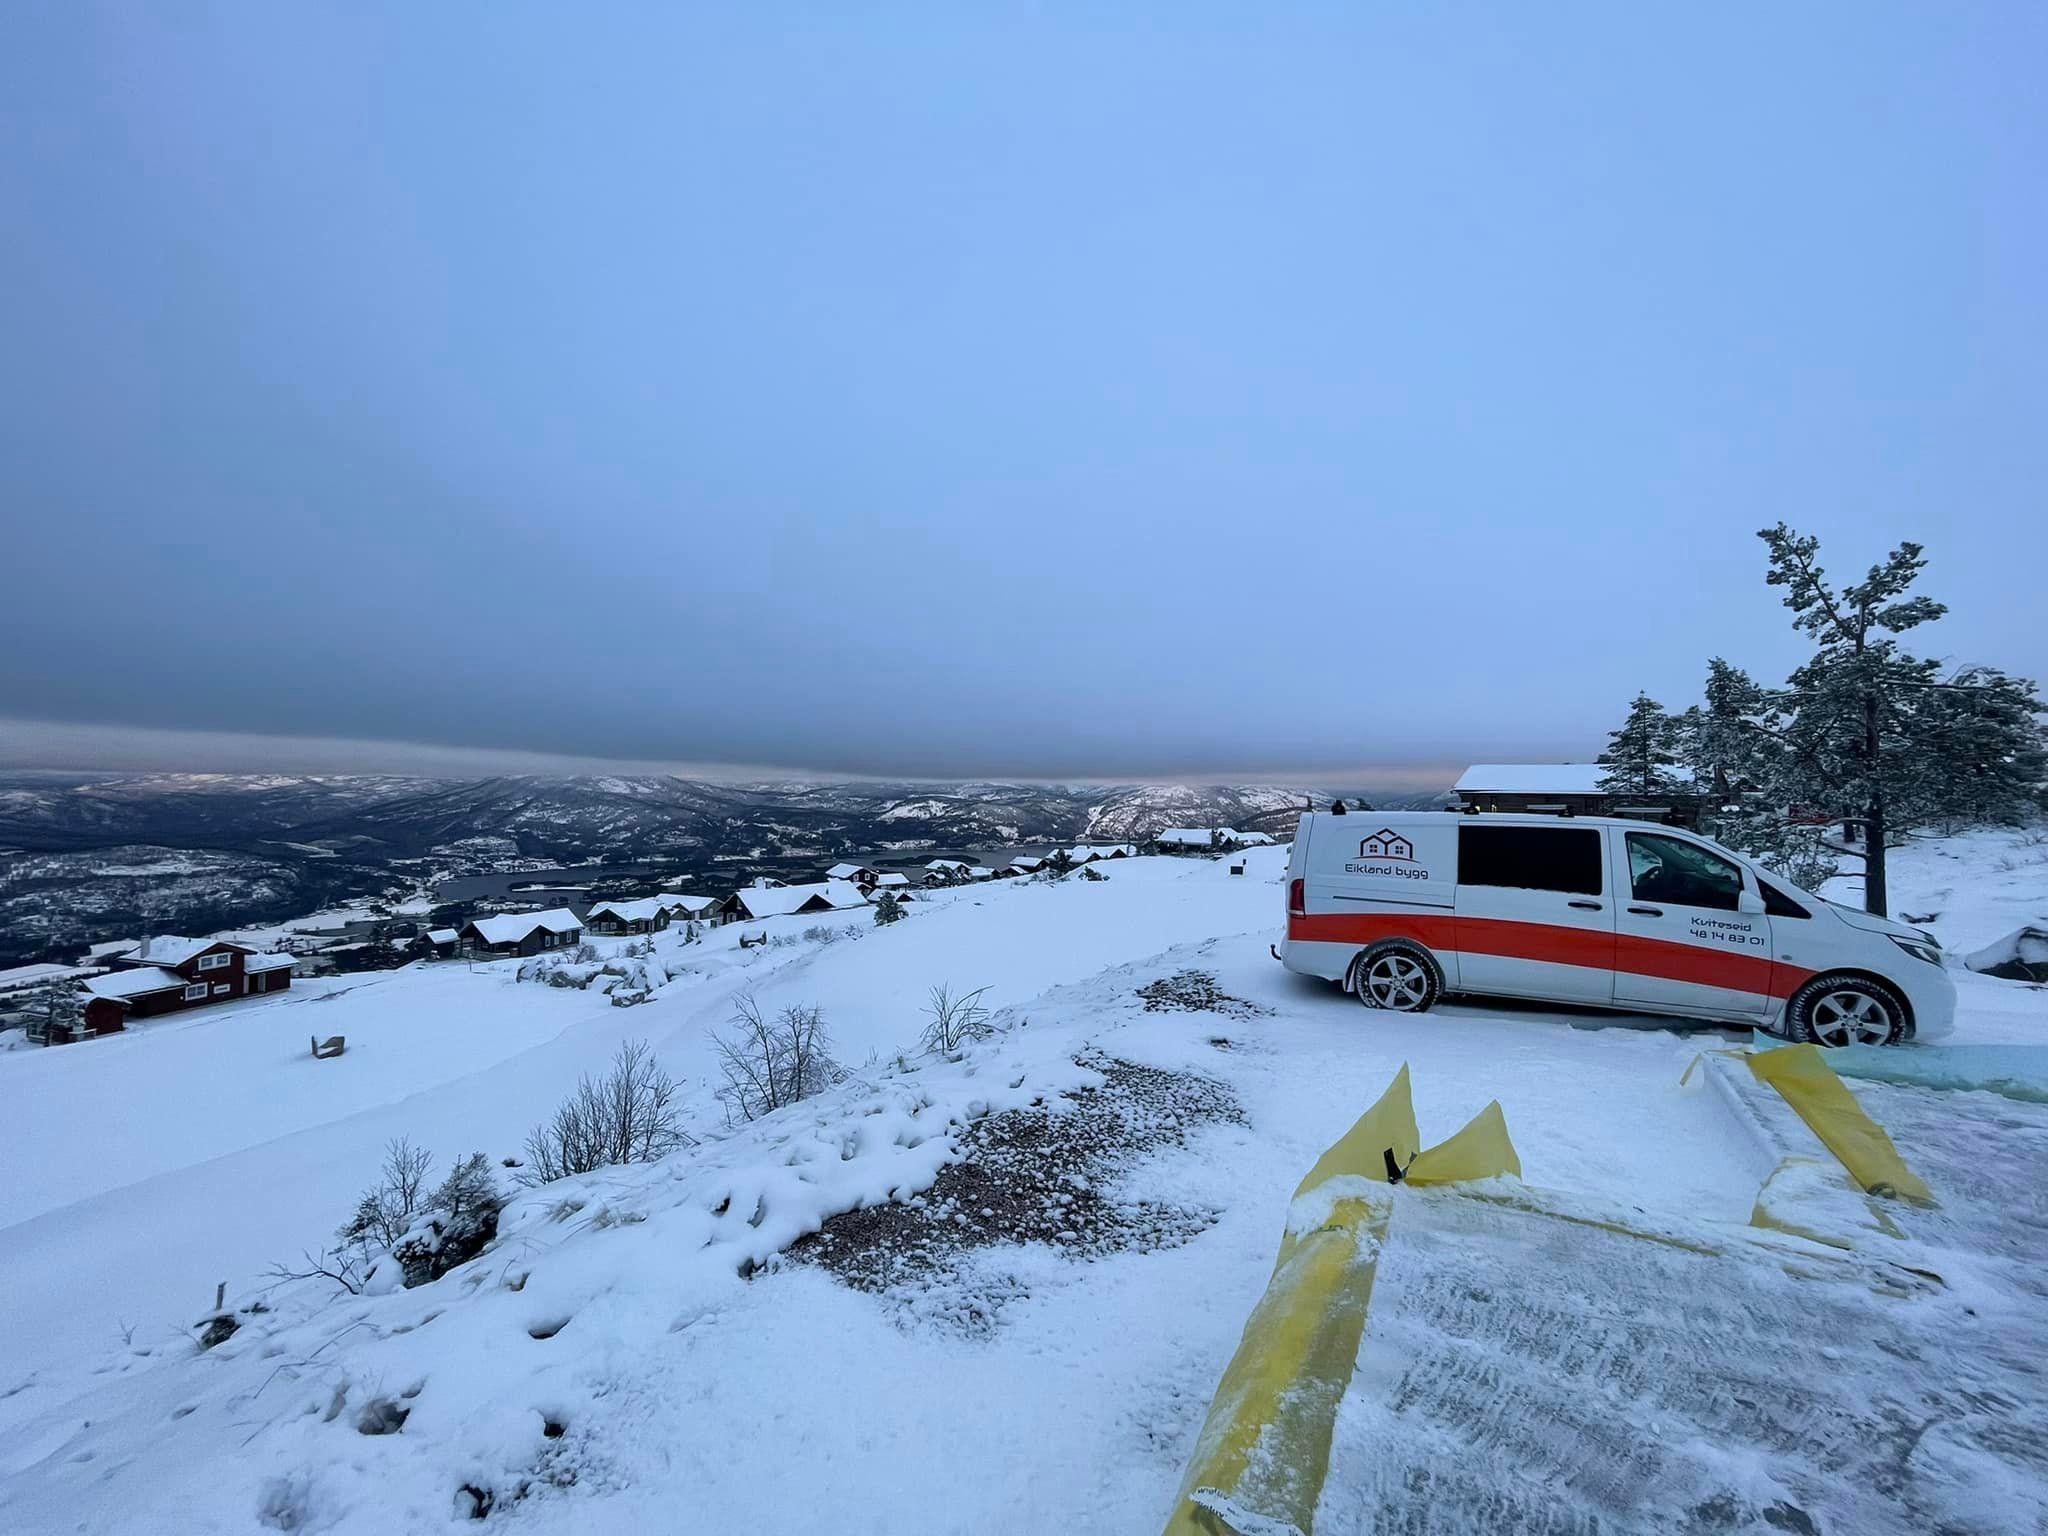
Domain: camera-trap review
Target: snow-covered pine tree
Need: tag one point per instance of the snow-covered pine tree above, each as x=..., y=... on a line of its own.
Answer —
x=1985, y=757
x=1875, y=733
x=887, y=909
x=1641, y=755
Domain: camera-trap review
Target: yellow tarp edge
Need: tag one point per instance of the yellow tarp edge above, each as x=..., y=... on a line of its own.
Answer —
x=1804, y=1079
x=1264, y=1449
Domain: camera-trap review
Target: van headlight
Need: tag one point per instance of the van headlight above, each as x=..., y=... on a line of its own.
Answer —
x=1919, y=949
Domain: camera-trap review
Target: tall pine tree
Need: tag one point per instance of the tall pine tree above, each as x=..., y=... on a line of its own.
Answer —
x=1641, y=755
x=1872, y=732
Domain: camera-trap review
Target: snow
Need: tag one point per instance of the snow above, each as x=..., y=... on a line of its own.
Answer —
x=32, y=975
x=171, y=949
x=613, y=1305
x=442, y=935
x=781, y=900
x=511, y=927
x=844, y=871
x=256, y=964
x=645, y=910
x=135, y=982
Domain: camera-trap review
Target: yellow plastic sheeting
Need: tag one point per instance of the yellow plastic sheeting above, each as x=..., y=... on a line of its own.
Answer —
x=1804, y=1079
x=1264, y=1449
x=1480, y=1151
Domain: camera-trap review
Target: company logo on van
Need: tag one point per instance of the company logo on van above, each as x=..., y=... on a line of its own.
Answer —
x=1387, y=844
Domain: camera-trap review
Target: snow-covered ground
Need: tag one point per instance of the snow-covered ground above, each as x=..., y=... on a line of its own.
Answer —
x=606, y=1366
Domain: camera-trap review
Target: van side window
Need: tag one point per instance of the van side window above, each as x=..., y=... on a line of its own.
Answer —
x=1778, y=904
x=1681, y=873
x=1531, y=858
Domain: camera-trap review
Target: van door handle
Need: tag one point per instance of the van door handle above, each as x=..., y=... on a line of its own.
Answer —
x=1587, y=906
x=1647, y=911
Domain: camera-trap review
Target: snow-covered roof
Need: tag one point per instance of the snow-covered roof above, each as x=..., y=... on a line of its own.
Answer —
x=1187, y=837
x=1027, y=863
x=645, y=910
x=110, y=947
x=1088, y=853
x=269, y=962
x=123, y=985
x=946, y=866
x=843, y=871
x=173, y=949
x=442, y=935
x=1540, y=778
x=781, y=900
x=511, y=927
x=689, y=906
x=892, y=881
x=1256, y=839
x=980, y=872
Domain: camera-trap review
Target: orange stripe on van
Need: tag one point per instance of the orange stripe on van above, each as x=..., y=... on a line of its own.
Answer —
x=1557, y=944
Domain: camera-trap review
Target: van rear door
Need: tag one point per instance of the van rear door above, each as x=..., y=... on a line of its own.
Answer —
x=1535, y=918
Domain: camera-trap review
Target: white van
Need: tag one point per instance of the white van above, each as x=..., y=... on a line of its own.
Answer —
x=1404, y=906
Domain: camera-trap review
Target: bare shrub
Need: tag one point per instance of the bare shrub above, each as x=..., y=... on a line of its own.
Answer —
x=387, y=1208
x=631, y=1116
x=952, y=1021
x=818, y=933
x=771, y=1063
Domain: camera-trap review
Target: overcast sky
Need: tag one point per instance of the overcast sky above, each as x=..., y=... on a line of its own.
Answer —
x=1135, y=390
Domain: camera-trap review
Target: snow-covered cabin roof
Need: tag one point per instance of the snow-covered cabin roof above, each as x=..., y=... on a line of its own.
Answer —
x=442, y=935
x=1088, y=853
x=1027, y=863
x=511, y=927
x=689, y=906
x=781, y=900
x=1187, y=837
x=108, y=948
x=123, y=985
x=892, y=882
x=980, y=872
x=644, y=910
x=174, y=949
x=270, y=962
x=843, y=871
x=1255, y=839
x=946, y=866
x=1539, y=778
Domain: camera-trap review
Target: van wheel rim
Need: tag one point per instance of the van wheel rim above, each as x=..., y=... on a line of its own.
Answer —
x=1397, y=982
x=1850, y=1018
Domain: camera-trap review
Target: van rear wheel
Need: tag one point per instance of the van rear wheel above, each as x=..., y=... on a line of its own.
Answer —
x=1398, y=976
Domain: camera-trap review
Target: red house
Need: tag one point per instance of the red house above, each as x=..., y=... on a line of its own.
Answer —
x=169, y=973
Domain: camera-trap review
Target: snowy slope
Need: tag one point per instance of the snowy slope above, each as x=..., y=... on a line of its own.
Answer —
x=674, y=1384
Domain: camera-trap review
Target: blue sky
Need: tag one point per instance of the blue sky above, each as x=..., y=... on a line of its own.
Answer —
x=1046, y=390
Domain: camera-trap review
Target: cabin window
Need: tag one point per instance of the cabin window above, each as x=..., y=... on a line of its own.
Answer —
x=220, y=989
x=196, y=992
x=1531, y=858
x=215, y=962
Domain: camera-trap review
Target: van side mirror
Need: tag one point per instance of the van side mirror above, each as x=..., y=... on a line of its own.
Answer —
x=1751, y=903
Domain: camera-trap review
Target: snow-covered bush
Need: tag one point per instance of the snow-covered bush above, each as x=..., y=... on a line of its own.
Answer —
x=402, y=1234
x=632, y=1116
x=457, y=1223
x=952, y=1021
x=768, y=1064
x=818, y=933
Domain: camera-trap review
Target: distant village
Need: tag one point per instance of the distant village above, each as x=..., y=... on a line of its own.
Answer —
x=114, y=983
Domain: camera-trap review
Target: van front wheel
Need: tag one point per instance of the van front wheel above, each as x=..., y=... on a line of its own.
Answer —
x=1845, y=1009
x=1398, y=976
